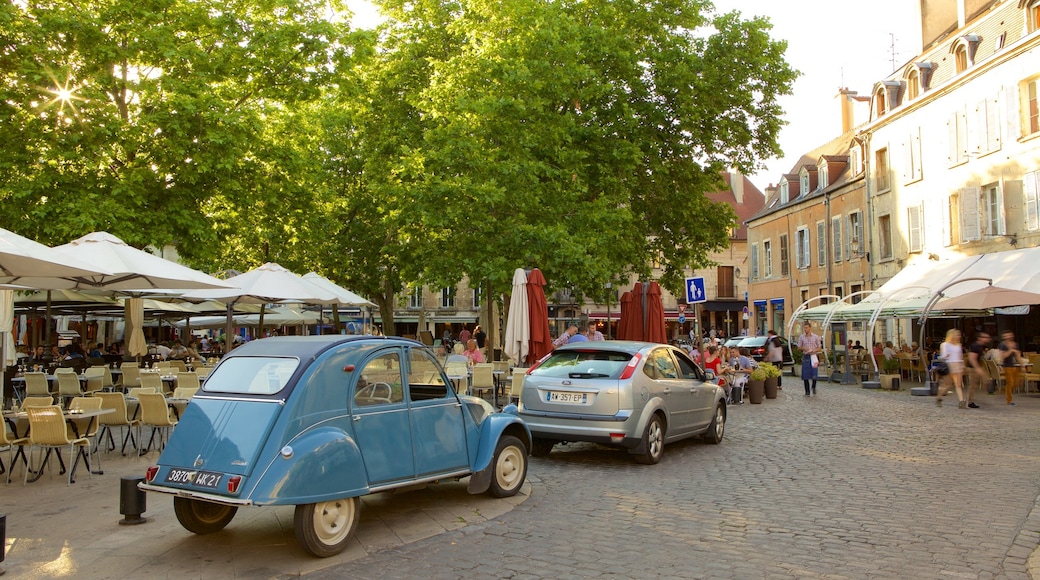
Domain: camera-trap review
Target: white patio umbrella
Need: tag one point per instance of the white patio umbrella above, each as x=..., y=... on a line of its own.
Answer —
x=265, y=284
x=518, y=322
x=343, y=296
x=24, y=262
x=135, y=273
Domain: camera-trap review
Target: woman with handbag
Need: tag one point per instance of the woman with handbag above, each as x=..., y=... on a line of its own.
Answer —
x=952, y=353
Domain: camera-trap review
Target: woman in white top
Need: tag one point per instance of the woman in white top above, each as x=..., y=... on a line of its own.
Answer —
x=952, y=352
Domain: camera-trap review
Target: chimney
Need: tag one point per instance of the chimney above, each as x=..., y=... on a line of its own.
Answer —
x=848, y=113
x=736, y=183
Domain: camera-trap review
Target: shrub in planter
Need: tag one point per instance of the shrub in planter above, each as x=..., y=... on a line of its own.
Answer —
x=760, y=373
x=772, y=371
x=890, y=366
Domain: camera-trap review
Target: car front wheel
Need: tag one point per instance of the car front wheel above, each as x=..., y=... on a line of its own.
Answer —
x=510, y=467
x=202, y=517
x=717, y=427
x=324, y=528
x=653, y=442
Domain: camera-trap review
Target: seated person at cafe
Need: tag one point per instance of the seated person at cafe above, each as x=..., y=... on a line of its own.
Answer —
x=98, y=350
x=177, y=352
x=73, y=351
x=889, y=351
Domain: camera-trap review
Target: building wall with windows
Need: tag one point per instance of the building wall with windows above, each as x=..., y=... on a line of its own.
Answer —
x=955, y=158
x=817, y=213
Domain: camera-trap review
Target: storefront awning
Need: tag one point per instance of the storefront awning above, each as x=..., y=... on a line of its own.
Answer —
x=722, y=306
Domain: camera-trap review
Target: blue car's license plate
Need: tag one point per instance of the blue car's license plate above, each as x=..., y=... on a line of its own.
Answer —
x=199, y=478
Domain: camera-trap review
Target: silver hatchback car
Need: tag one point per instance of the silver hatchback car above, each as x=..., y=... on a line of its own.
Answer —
x=634, y=395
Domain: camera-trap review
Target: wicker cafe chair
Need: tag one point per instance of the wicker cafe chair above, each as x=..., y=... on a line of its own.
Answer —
x=87, y=427
x=120, y=418
x=36, y=384
x=188, y=380
x=47, y=429
x=68, y=386
x=9, y=441
x=153, y=381
x=483, y=379
x=131, y=376
x=155, y=413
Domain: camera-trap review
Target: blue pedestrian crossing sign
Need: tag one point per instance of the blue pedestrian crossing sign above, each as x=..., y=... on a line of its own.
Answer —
x=695, y=290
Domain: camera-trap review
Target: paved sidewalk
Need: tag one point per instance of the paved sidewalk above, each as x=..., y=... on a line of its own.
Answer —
x=57, y=531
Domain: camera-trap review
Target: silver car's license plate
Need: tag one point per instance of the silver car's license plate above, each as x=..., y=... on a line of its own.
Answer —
x=569, y=398
x=199, y=478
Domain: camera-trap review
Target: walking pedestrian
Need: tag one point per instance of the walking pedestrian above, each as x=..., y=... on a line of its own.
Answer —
x=952, y=353
x=976, y=356
x=811, y=346
x=775, y=354
x=1010, y=358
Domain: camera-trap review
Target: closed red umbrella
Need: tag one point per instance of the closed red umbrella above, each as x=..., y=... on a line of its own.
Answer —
x=623, y=318
x=655, y=331
x=541, y=342
x=636, y=330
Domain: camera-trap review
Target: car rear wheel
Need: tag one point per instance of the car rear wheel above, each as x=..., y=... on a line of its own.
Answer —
x=323, y=529
x=202, y=517
x=510, y=467
x=653, y=442
x=541, y=447
x=717, y=427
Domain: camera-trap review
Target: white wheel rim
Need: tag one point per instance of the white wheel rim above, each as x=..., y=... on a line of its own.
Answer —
x=510, y=468
x=653, y=442
x=332, y=520
x=720, y=423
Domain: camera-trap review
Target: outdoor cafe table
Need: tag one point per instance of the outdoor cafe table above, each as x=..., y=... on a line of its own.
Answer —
x=71, y=416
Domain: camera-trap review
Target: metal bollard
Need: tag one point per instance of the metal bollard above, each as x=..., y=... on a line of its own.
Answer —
x=3, y=536
x=132, y=501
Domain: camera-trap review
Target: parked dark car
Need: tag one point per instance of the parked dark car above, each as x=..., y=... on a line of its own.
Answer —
x=756, y=346
x=317, y=422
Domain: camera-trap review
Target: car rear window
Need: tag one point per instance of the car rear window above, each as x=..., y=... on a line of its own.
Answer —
x=251, y=375
x=581, y=364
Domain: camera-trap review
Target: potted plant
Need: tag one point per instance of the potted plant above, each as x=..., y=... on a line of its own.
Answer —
x=772, y=380
x=890, y=373
x=756, y=385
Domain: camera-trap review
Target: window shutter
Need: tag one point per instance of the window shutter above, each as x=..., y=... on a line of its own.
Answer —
x=1011, y=103
x=754, y=261
x=1032, y=184
x=951, y=135
x=821, y=243
x=970, y=226
x=836, y=238
x=947, y=226
x=805, y=247
x=992, y=125
x=915, y=226
x=908, y=159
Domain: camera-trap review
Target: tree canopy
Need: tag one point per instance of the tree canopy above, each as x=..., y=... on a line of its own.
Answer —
x=464, y=138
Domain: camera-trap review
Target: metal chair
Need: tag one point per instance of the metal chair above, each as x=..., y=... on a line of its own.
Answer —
x=47, y=429
x=120, y=418
x=483, y=379
x=9, y=441
x=87, y=427
x=36, y=384
x=155, y=413
x=68, y=386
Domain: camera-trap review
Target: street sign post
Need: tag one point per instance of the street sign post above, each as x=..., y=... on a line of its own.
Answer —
x=695, y=290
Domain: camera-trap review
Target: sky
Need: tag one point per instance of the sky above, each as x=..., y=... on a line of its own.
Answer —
x=833, y=44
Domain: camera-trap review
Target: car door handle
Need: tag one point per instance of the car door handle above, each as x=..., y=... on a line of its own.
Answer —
x=693, y=389
x=667, y=391
x=356, y=418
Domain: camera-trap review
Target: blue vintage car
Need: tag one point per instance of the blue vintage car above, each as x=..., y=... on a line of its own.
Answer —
x=319, y=421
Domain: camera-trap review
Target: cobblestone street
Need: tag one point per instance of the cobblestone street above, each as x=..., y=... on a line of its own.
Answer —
x=847, y=484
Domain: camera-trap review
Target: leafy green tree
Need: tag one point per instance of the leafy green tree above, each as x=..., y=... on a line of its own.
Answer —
x=580, y=137
x=154, y=119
